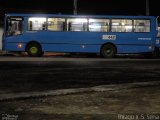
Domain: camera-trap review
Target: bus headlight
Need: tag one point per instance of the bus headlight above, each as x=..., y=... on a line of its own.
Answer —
x=20, y=45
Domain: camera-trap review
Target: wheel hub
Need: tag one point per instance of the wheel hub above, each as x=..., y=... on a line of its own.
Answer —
x=33, y=50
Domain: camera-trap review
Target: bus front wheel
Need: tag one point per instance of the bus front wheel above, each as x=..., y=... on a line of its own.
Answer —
x=34, y=50
x=108, y=51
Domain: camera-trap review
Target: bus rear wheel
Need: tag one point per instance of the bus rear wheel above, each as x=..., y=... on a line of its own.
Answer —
x=34, y=50
x=108, y=51
x=154, y=54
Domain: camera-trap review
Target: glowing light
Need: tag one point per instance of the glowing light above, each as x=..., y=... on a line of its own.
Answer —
x=95, y=26
x=92, y=20
x=115, y=24
x=42, y=19
x=80, y=20
x=128, y=28
x=123, y=24
x=20, y=45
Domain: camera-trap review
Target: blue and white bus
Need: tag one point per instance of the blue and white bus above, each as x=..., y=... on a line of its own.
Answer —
x=107, y=35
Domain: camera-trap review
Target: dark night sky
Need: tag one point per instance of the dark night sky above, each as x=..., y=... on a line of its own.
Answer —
x=95, y=7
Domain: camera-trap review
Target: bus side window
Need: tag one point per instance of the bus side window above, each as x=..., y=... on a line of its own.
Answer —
x=37, y=23
x=99, y=25
x=121, y=25
x=56, y=24
x=77, y=24
x=142, y=25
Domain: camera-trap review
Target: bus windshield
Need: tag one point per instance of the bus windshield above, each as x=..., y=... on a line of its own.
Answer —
x=14, y=26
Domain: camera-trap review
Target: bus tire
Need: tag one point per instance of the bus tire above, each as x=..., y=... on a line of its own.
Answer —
x=34, y=50
x=108, y=51
x=156, y=53
x=148, y=55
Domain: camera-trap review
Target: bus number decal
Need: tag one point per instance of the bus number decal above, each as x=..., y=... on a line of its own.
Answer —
x=109, y=37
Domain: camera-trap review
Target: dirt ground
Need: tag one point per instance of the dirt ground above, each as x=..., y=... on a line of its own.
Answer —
x=73, y=73
x=87, y=106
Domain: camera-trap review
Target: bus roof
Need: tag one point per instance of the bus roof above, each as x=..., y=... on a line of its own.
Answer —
x=84, y=16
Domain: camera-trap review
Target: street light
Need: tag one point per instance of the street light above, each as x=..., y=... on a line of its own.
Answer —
x=147, y=8
x=75, y=7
